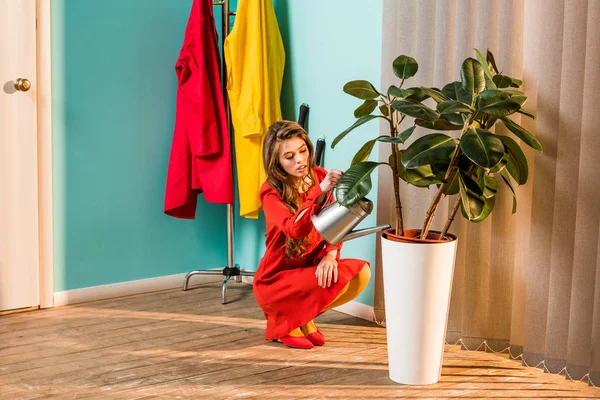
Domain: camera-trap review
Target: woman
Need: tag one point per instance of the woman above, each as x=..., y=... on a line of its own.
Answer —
x=300, y=276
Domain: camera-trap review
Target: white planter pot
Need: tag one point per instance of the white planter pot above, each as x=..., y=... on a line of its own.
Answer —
x=417, y=281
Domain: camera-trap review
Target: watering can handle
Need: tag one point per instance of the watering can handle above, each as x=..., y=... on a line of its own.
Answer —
x=329, y=195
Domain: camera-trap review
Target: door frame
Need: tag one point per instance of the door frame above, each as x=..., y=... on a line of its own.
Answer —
x=44, y=136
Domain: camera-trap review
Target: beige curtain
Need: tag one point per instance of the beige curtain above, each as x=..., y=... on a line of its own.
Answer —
x=527, y=283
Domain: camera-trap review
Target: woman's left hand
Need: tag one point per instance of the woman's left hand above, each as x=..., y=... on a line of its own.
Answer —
x=327, y=271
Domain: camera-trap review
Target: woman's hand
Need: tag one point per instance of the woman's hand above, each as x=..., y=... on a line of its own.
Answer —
x=327, y=271
x=331, y=180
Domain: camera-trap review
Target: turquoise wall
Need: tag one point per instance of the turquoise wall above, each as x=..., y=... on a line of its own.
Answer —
x=328, y=43
x=113, y=110
x=114, y=90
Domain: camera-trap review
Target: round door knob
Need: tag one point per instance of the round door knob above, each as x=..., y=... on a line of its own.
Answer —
x=22, y=84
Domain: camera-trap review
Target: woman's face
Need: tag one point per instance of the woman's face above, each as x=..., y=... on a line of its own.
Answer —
x=293, y=157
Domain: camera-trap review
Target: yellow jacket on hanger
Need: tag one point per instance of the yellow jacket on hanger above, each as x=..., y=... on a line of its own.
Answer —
x=255, y=60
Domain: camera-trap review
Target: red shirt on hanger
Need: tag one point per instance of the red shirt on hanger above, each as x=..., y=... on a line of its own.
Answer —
x=200, y=160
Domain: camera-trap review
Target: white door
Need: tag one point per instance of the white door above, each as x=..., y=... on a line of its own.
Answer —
x=19, y=237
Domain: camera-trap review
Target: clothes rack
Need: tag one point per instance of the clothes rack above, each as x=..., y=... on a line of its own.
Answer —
x=231, y=270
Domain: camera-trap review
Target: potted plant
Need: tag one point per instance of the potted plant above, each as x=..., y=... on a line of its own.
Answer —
x=418, y=263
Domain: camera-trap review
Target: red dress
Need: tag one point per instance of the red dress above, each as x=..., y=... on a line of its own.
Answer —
x=287, y=289
x=200, y=160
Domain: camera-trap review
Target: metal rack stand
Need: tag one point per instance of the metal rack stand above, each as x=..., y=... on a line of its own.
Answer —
x=231, y=270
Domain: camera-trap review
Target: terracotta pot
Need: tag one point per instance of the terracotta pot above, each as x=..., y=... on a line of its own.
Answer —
x=412, y=236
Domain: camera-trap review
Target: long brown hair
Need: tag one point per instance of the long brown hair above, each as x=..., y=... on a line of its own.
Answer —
x=280, y=180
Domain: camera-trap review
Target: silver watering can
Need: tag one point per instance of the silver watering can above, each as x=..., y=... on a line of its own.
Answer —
x=335, y=222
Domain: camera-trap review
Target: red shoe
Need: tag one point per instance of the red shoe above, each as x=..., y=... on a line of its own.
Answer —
x=296, y=342
x=316, y=338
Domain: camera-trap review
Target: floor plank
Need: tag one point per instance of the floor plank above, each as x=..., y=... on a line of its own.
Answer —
x=178, y=345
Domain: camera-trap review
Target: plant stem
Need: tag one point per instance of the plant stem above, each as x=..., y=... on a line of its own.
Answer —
x=438, y=196
x=399, y=226
x=451, y=217
x=456, y=206
x=400, y=122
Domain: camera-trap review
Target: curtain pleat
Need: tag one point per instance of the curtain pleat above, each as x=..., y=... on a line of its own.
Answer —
x=584, y=325
x=527, y=283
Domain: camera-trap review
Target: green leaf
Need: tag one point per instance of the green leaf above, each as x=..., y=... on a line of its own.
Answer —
x=417, y=95
x=472, y=76
x=439, y=124
x=491, y=62
x=489, y=83
x=522, y=134
x=487, y=120
x=453, y=106
x=455, y=119
x=434, y=94
x=440, y=168
x=464, y=163
x=506, y=180
x=397, y=92
x=512, y=167
x=525, y=112
x=429, y=149
x=472, y=204
x=384, y=110
x=365, y=108
x=362, y=89
x=519, y=99
x=462, y=95
x=455, y=91
x=489, y=97
x=404, y=135
x=356, y=124
x=364, y=152
x=495, y=97
x=420, y=177
x=501, y=108
x=502, y=81
x=501, y=165
x=355, y=183
x=488, y=206
x=416, y=110
x=479, y=177
x=491, y=186
x=517, y=95
x=401, y=138
x=450, y=90
x=516, y=82
x=452, y=186
x=389, y=139
x=514, y=92
x=470, y=184
x=517, y=162
x=482, y=147
x=404, y=67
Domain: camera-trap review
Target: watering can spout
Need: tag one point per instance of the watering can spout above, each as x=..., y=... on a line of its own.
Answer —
x=335, y=222
x=363, y=232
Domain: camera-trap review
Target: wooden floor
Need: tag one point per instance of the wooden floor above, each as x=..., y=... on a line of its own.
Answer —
x=180, y=345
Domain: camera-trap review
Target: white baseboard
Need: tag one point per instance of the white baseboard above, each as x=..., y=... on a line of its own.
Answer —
x=102, y=292
x=129, y=288
x=357, y=309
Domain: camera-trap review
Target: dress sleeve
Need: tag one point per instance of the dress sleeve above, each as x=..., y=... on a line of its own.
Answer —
x=278, y=214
